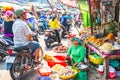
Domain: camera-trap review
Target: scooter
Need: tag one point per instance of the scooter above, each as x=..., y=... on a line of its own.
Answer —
x=50, y=37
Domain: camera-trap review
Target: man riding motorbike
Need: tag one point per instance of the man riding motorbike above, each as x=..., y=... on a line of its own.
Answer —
x=23, y=34
x=55, y=25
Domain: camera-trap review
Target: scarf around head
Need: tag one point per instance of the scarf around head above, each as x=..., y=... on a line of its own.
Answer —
x=79, y=41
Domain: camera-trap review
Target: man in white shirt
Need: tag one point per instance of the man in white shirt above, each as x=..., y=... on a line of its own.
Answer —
x=23, y=35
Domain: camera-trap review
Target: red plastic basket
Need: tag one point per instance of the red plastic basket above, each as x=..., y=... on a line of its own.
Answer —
x=61, y=61
x=60, y=57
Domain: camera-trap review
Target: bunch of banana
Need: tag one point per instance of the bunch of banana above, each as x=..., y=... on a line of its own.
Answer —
x=48, y=57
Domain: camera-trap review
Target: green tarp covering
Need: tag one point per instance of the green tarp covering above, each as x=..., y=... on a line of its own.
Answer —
x=84, y=8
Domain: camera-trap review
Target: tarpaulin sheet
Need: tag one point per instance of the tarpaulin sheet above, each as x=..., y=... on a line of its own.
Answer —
x=70, y=3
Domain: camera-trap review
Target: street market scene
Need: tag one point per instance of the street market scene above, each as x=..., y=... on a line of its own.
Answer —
x=59, y=39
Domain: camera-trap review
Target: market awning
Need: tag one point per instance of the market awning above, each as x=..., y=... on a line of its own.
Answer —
x=70, y=3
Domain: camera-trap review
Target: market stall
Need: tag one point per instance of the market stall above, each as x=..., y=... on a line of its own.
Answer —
x=103, y=43
x=102, y=50
x=106, y=59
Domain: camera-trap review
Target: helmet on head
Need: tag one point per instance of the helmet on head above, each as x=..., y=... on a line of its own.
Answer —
x=19, y=12
x=8, y=13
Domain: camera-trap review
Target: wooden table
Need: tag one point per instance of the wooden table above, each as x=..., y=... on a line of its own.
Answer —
x=105, y=57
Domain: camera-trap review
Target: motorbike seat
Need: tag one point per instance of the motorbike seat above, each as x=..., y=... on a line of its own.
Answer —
x=19, y=49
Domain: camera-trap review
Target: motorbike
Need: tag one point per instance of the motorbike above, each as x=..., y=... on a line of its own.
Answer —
x=50, y=37
x=20, y=58
x=35, y=36
x=20, y=61
x=4, y=43
x=41, y=27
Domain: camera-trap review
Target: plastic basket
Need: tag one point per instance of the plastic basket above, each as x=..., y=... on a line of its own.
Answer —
x=61, y=61
x=60, y=57
x=97, y=60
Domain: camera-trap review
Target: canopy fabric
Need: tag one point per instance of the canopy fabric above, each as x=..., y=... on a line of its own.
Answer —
x=70, y=3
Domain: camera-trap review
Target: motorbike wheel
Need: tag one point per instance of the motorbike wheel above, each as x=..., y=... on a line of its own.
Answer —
x=17, y=70
x=48, y=43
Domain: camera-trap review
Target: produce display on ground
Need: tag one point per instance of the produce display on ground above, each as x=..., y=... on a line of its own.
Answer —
x=60, y=49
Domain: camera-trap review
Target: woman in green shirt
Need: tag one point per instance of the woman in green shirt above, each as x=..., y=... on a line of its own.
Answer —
x=76, y=52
